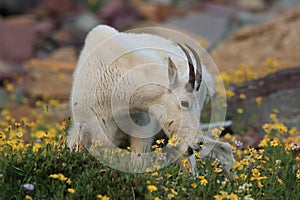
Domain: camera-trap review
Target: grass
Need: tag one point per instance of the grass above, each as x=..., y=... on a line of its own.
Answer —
x=36, y=164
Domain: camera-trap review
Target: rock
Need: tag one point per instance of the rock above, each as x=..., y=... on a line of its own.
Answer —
x=251, y=139
x=248, y=139
x=279, y=90
x=119, y=14
x=13, y=7
x=67, y=54
x=253, y=5
x=55, y=7
x=16, y=41
x=82, y=23
x=200, y=23
x=281, y=80
x=6, y=71
x=51, y=77
x=4, y=98
x=155, y=11
x=18, y=36
x=251, y=45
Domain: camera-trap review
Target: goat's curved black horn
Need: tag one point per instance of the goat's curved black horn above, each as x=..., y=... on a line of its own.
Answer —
x=199, y=67
x=191, y=67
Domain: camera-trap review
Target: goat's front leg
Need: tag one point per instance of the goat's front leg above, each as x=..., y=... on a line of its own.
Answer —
x=140, y=145
x=219, y=150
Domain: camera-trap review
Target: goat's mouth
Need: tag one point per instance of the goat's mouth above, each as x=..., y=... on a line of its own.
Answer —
x=189, y=151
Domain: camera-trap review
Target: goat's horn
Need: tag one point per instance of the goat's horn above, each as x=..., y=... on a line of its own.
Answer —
x=191, y=67
x=199, y=67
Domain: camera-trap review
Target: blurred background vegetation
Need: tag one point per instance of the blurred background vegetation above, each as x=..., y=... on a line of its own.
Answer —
x=255, y=45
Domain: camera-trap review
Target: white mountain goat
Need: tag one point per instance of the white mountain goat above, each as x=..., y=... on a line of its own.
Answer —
x=133, y=89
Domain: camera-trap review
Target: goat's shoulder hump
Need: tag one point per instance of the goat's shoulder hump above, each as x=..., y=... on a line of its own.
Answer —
x=99, y=34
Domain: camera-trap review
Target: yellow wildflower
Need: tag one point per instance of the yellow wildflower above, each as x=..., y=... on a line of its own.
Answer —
x=298, y=174
x=69, y=181
x=174, y=192
x=240, y=111
x=273, y=117
x=243, y=96
x=274, y=142
x=293, y=130
x=218, y=170
x=9, y=87
x=129, y=148
x=215, y=163
x=232, y=196
x=168, y=175
x=36, y=147
x=160, y=141
x=19, y=134
x=203, y=181
x=155, y=173
x=259, y=100
x=156, y=198
x=267, y=127
x=218, y=197
x=275, y=110
x=39, y=134
x=28, y=197
x=173, y=141
x=255, y=174
x=194, y=185
x=243, y=176
x=55, y=176
x=102, y=197
x=227, y=136
x=62, y=177
x=184, y=162
x=259, y=184
x=264, y=141
x=71, y=190
x=152, y=188
x=223, y=195
x=280, y=181
x=170, y=196
x=229, y=94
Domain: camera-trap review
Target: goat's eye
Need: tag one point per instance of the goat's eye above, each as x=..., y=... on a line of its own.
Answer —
x=185, y=104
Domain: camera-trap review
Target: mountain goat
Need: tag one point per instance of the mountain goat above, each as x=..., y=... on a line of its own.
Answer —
x=130, y=90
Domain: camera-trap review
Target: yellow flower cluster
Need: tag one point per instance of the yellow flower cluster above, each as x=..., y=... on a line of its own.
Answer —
x=61, y=177
x=203, y=180
x=102, y=197
x=152, y=188
x=225, y=195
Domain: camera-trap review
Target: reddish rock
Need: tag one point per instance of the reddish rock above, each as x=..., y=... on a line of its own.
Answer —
x=16, y=41
x=119, y=14
x=18, y=37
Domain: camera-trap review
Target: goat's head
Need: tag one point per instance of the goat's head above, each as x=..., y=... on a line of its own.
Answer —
x=181, y=101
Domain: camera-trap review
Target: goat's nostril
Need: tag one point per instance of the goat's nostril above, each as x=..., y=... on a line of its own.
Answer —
x=190, y=150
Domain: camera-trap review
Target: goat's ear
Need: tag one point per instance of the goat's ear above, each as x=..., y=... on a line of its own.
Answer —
x=172, y=72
